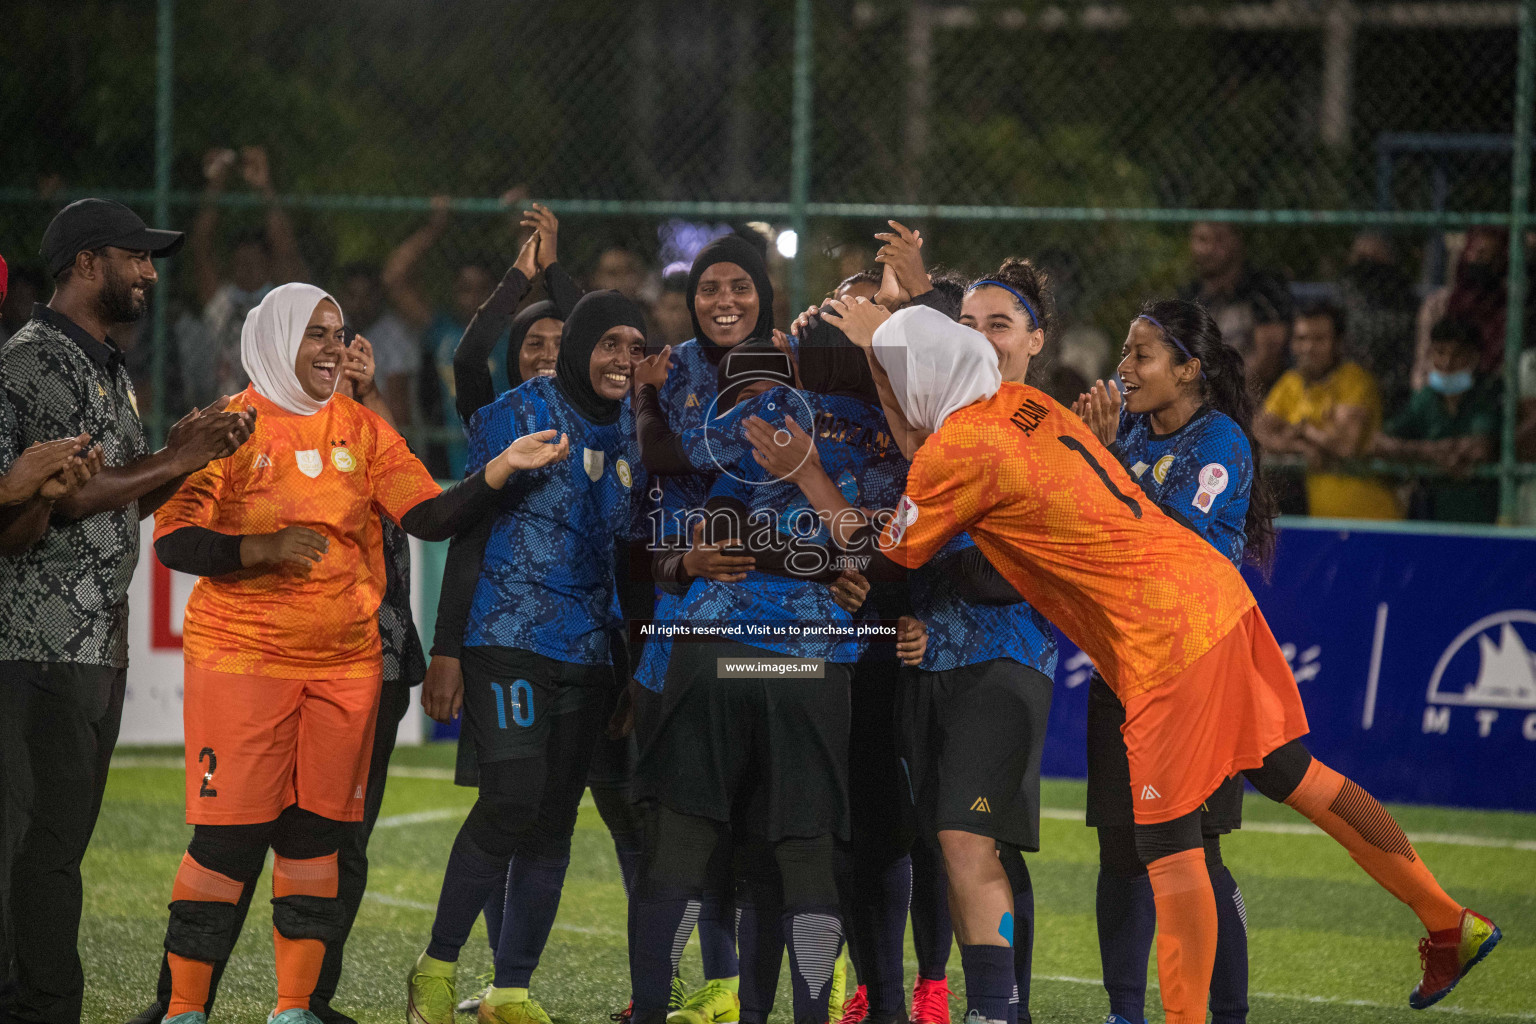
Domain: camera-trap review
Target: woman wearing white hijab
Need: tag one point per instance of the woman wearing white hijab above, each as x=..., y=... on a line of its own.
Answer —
x=1166, y=618
x=281, y=639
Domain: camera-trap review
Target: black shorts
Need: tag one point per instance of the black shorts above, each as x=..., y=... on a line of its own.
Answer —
x=1109, y=772
x=511, y=696
x=769, y=756
x=881, y=820
x=971, y=741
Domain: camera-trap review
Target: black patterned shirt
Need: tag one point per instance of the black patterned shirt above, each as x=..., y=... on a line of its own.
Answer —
x=66, y=598
x=404, y=661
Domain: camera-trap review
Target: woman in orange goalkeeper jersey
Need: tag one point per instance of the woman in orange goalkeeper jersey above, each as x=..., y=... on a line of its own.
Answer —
x=1168, y=621
x=281, y=639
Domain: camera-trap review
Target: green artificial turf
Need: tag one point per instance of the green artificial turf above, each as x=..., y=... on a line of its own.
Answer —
x=1326, y=945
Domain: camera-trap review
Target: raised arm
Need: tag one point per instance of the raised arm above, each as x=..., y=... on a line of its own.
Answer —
x=287, y=262
x=473, y=387
x=205, y=265
x=400, y=269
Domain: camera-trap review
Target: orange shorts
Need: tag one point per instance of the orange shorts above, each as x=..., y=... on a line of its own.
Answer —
x=258, y=744
x=1222, y=714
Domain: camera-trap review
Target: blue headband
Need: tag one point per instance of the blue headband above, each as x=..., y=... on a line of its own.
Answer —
x=1034, y=320
x=1169, y=335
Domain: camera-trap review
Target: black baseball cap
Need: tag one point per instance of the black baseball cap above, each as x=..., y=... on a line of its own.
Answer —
x=93, y=223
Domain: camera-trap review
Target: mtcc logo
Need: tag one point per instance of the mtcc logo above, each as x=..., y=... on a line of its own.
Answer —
x=1489, y=666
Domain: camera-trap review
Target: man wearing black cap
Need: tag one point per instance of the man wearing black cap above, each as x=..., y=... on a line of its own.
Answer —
x=63, y=623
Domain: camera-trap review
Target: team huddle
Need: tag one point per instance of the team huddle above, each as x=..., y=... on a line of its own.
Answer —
x=883, y=472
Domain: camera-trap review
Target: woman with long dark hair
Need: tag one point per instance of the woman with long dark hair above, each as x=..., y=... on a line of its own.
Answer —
x=1183, y=432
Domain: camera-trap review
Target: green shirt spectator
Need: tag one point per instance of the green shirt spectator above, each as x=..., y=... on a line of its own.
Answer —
x=1453, y=423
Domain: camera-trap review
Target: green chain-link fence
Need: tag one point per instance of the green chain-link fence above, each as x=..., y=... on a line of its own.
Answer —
x=1089, y=136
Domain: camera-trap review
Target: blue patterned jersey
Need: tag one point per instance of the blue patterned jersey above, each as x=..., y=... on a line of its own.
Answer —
x=687, y=398
x=857, y=452
x=961, y=633
x=1201, y=474
x=547, y=582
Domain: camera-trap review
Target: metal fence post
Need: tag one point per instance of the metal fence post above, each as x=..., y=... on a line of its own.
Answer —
x=800, y=150
x=1519, y=209
x=165, y=47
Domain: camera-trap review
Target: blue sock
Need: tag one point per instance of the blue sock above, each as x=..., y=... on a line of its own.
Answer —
x=662, y=924
x=717, y=937
x=814, y=937
x=494, y=905
x=932, y=932
x=627, y=847
x=883, y=949
x=1023, y=943
x=1229, y=979
x=1127, y=919
x=533, y=899
x=988, y=980
x=472, y=876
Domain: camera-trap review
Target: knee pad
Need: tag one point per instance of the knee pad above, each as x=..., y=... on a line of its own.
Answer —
x=203, y=931
x=1117, y=852
x=1166, y=838
x=806, y=870
x=308, y=917
x=1281, y=772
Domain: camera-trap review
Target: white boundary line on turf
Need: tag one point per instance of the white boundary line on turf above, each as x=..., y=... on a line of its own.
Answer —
x=1054, y=813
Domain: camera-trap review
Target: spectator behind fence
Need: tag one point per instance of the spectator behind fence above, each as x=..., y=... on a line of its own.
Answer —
x=396, y=354
x=1452, y=422
x=209, y=345
x=1477, y=295
x=26, y=288
x=620, y=270
x=1525, y=436
x=1252, y=307
x=1326, y=409
x=671, y=323
x=440, y=330
x=1079, y=346
x=1379, y=306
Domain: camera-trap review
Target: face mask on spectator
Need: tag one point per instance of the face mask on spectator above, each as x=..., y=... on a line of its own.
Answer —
x=1452, y=384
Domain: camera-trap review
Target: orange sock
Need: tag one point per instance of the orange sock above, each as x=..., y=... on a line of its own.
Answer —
x=1375, y=840
x=299, y=960
x=1186, y=934
x=191, y=979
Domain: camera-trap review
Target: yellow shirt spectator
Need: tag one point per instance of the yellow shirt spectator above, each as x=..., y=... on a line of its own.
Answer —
x=1298, y=403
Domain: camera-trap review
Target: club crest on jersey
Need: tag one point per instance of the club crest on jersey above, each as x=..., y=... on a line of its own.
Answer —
x=592, y=461
x=621, y=467
x=341, y=458
x=309, y=462
x=1161, y=468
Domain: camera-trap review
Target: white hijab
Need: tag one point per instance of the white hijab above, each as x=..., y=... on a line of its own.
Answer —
x=269, y=346
x=936, y=366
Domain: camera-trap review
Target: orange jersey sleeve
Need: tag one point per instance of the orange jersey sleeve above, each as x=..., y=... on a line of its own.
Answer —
x=1063, y=521
x=333, y=472
x=400, y=481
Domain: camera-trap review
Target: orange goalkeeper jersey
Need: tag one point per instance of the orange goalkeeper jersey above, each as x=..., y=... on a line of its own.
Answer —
x=1063, y=522
x=333, y=472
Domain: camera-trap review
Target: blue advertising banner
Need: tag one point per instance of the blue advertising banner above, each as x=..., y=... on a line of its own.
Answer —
x=1415, y=652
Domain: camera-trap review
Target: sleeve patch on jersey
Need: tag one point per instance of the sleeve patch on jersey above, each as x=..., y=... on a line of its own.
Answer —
x=1160, y=470
x=906, y=515
x=1214, y=479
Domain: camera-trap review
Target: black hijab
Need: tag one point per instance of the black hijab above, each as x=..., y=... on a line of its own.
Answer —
x=526, y=318
x=833, y=365
x=595, y=315
x=753, y=360
x=732, y=249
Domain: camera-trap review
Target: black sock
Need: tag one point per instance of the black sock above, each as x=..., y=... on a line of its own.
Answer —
x=663, y=923
x=534, y=885
x=814, y=937
x=932, y=932
x=1127, y=919
x=1229, y=979
x=891, y=895
x=988, y=980
x=717, y=937
x=472, y=876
